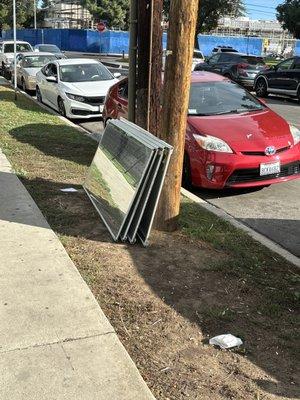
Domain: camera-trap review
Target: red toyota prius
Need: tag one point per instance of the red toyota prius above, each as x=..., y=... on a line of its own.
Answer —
x=232, y=138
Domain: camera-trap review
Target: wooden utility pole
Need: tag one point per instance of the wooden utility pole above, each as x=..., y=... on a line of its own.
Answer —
x=181, y=39
x=149, y=69
x=132, y=61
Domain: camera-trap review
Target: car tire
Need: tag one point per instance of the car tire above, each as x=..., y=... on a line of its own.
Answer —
x=39, y=95
x=298, y=94
x=186, y=172
x=261, y=88
x=61, y=107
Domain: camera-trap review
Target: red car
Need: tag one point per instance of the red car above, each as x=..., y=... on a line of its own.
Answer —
x=232, y=138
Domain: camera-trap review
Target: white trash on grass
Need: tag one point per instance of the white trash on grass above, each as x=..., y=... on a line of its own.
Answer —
x=226, y=341
x=69, y=190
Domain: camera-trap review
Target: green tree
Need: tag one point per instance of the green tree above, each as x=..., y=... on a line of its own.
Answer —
x=210, y=11
x=24, y=10
x=288, y=13
x=115, y=12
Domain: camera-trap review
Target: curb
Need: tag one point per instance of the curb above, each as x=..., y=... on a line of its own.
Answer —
x=276, y=248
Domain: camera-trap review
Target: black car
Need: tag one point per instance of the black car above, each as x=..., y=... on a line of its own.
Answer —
x=283, y=78
x=239, y=67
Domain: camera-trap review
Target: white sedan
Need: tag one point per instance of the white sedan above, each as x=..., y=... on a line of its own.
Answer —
x=76, y=88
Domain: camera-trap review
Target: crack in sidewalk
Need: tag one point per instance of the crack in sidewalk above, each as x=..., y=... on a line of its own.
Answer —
x=66, y=340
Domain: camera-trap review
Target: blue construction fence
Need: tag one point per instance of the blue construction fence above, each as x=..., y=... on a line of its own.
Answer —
x=297, y=48
x=117, y=42
x=248, y=45
x=108, y=42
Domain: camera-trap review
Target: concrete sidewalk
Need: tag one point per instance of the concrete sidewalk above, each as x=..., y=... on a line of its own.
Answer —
x=55, y=342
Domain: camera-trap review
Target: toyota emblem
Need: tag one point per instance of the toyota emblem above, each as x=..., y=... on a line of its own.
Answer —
x=270, y=151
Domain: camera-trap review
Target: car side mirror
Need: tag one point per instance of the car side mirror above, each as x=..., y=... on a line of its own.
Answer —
x=117, y=74
x=52, y=79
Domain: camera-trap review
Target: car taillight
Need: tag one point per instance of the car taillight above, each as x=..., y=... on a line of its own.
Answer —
x=243, y=66
x=241, y=69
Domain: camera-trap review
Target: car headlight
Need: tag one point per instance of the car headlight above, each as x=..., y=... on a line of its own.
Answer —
x=212, y=143
x=75, y=97
x=295, y=132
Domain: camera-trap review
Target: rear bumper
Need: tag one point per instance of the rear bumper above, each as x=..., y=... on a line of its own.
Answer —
x=247, y=82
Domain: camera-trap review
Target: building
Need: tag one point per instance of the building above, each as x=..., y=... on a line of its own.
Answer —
x=245, y=26
x=277, y=40
x=67, y=14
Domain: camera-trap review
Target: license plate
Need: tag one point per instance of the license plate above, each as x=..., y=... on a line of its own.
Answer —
x=269, y=168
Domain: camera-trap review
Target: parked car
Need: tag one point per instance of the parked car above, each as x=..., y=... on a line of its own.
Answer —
x=7, y=53
x=198, y=58
x=223, y=49
x=239, y=67
x=28, y=64
x=232, y=138
x=50, y=48
x=74, y=87
x=284, y=78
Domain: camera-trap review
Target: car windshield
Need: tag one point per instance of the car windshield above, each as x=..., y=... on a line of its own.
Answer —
x=84, y=73
x=49, y=48
x=37, y=61
x=216, y=98
x=21, y=47
x=252, y=60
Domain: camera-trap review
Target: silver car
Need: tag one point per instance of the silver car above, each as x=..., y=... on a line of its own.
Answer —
x=28, y=64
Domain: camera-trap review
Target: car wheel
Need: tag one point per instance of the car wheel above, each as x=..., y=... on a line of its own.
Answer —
x=186, y=172
x=61, y=107
x=261, y=88
x=23, y=84
x=39, y=95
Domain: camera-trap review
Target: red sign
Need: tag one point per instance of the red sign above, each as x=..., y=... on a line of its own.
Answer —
x=101, y=26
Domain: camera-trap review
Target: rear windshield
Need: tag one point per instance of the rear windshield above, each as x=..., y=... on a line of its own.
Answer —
x=49, y=48
x=21, y=47
x=253, y=60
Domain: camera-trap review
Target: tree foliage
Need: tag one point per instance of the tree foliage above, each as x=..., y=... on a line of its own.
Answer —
x=115, y=12
x=24, y=11
x=210, y=11
x=288, y=13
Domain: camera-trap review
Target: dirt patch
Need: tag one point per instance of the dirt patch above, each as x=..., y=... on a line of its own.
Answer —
x=167, y=300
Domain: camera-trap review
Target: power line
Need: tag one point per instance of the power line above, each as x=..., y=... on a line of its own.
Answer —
x=260, y=11
x=257, y=5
